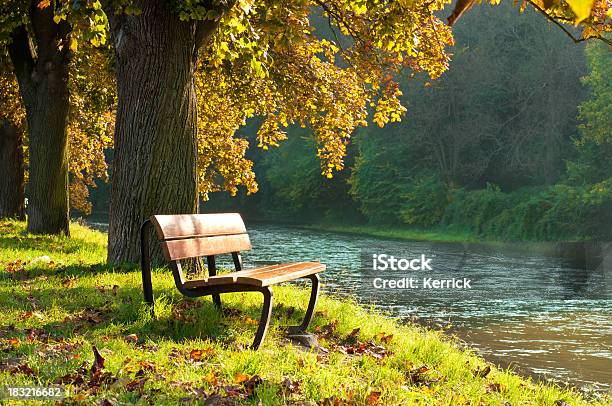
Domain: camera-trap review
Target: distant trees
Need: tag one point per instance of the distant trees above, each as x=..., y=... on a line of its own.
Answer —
x=502, y=115
x=593, y=162
x=483, y=149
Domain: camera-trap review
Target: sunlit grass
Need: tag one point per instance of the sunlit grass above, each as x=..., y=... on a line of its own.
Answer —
x=81, y=302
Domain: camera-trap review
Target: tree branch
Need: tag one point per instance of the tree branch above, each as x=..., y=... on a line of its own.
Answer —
x=21, y=57
x=565, y=30
x=206, y=28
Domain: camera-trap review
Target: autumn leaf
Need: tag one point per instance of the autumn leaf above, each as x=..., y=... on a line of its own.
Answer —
x=251, y=384
x=131, y=338
x=98, y=364
x=68, y=282
x=494, y=387
x=288, y=386
x=14, y=342
x=136, y=384
x=482, y=372
x=22, y=369
x=373, y=398
x=211, y=379
x=354, y=333
x=250, y=321
x=196, y=355
x=581, y=8
x=240, y=377
x=44, y=4
x=384, y=337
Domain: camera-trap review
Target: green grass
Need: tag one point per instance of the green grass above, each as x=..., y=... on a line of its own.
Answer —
x=53, y=313
x=404, y=233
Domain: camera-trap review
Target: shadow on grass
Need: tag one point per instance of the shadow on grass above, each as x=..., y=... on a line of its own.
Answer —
x=50, y=244
x=66, y=271
x=118, y=312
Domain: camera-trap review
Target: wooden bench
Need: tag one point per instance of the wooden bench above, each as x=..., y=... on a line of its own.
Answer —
x=187, y=236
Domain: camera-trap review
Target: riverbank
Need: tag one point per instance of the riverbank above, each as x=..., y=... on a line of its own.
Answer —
x=403, y=233
x=55, y=309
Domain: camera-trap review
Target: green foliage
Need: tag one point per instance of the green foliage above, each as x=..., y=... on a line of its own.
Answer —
x=594, y=145
x=470, y=210
x=425, y=201
x=292, y=175
x=559, y=212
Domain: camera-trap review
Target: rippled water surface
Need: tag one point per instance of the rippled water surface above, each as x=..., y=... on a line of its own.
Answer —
x=534, y=312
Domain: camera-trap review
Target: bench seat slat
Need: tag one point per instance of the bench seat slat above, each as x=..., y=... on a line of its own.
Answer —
x=203, y=246
x=261, y=276
x=180, y=226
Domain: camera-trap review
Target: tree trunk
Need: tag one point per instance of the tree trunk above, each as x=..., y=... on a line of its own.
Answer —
x=11, y=166
x=154, y=167
x=48, y=177
x=43, y=84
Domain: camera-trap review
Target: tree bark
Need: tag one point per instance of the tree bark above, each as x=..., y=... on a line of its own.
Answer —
x=43, y=84
x=154, y=167
x=11, y=166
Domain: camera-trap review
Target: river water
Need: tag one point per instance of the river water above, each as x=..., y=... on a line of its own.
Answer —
x=534, y=312
x=526, y=309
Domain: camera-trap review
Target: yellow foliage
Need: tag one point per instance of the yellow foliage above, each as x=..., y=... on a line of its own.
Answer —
x=582, y=8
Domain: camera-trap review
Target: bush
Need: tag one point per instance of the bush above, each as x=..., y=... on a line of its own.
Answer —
x=470, y=210
x=560, y=212
x=425, y=201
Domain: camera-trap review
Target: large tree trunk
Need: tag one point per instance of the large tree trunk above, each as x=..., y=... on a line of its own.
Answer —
x=154, y=167
x=43, y=84
x=11, y=168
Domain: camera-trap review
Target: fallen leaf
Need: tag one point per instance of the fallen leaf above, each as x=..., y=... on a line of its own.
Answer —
x=68, y=282
x=211, y=379
x=22, y=369
x=251, y=384
x=98, y=364
x=131, y=338
x=288, y=386
x=482, y=372
x=384, y=337
x=373, y=398
x=14, y=342
x=240, y=377
x=494, y=387
x=136, y=384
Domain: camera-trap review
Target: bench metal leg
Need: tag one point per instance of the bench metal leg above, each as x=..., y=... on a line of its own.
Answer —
x=212, y=271
x=264, y=322
x=145, y=265
x=314, y=295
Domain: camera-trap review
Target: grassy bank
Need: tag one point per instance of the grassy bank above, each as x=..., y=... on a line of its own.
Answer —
x=403, y=233
x=55, y=311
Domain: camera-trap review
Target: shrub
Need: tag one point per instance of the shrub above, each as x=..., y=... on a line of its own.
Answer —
x=425, y=201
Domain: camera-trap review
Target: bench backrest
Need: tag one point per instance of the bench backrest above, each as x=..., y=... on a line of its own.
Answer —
x=197, y=235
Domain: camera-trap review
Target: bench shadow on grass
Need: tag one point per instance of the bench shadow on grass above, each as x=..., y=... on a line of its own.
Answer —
x=94, y=312
x=66, y=271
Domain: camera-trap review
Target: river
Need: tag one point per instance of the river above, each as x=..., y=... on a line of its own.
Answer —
x=528, y=310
